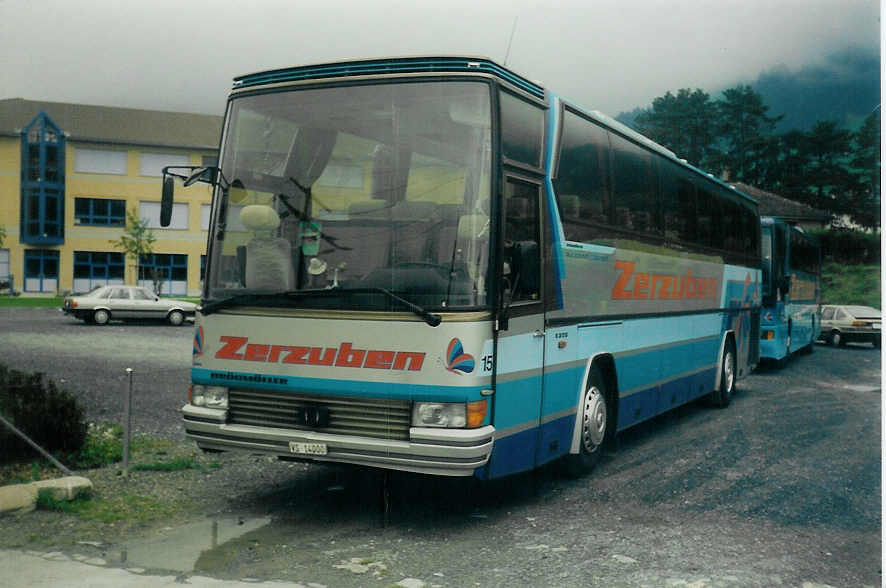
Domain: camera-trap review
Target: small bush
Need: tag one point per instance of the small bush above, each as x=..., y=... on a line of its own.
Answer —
x=848, y=246
x=53, y=418
x=103, y=446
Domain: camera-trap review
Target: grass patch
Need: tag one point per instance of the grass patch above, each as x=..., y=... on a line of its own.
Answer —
x=31, y=302
x=851, y=284
x=131, y=508
x=175, y=465
x=55, y=301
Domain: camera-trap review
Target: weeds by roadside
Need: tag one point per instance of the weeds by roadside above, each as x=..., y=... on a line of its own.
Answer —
x=102, y=453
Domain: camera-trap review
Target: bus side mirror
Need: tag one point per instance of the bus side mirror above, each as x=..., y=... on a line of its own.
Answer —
x=166, y=201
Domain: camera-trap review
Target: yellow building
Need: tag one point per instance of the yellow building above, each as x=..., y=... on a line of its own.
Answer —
x=68, y=175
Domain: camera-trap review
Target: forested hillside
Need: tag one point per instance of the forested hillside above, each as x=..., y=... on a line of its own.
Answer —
x=821, y=146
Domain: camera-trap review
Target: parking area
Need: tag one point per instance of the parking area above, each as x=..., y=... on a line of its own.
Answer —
x=781, y=488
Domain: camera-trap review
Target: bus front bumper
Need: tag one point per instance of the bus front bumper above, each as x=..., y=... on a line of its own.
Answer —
x=445, y=452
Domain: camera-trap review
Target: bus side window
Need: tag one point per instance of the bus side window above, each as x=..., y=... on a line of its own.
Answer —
x=521, y=238
x=582, y=182
x=634, y=189
x=678, y=204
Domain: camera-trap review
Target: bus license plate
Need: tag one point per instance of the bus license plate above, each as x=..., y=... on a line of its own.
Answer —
x=307, y=448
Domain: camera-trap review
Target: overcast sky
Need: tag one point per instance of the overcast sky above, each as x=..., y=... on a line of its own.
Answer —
x=609, y=55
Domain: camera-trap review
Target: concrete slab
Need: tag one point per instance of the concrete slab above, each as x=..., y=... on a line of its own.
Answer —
x=18, y=498
x=67, y=488
x=22, y=498
x=19, y=568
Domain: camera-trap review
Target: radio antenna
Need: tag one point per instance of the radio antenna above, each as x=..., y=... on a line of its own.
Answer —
x=510, y=40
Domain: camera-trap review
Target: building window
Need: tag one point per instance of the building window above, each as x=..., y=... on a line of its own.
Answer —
x=152, y=164
x=100, y=211
x=43, y=183
x=97, y=268
x=205, y=210
x=41, y=270
x=165, y=273
x=150, y=211
x=100, y=161
x=4, y=268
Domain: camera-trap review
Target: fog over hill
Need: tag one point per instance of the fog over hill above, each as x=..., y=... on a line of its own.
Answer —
x=845, y=88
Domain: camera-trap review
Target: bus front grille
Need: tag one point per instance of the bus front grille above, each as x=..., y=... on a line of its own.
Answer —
x=365, y=417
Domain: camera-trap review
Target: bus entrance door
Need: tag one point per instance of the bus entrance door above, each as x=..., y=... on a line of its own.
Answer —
x=520, y=357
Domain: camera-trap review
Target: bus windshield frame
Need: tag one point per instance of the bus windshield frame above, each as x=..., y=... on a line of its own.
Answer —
x=368, y=197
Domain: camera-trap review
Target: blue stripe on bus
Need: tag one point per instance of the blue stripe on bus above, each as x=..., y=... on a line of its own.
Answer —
x=334, y=387
x=556, y=227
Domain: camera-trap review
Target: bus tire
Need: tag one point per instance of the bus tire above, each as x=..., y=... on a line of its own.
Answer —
x=595, y=416
x=722, y=396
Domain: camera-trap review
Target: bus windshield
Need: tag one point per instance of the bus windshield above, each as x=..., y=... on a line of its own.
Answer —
x=355, y=198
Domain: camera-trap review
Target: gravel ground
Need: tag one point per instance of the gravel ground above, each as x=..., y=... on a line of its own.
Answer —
x=781, y=489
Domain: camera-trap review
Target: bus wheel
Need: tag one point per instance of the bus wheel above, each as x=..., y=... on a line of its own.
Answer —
x=594, y=421
x=722, y=396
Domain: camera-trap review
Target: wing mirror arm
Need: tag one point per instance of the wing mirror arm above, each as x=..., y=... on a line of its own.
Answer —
x=189, y=174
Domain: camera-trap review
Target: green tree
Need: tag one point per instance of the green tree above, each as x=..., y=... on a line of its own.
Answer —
x=684, y=123
x=745, y=132
x=828, y=178
x=2, y=234
x=137, y=239
x=864, y=201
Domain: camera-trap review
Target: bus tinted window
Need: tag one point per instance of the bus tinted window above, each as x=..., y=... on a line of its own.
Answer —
x=752, y=232
x=804, y=253
x=583, y=178
x=522, y=126
x=708, y=220
x=733, y=237
x=677, y=203
x=633, y=187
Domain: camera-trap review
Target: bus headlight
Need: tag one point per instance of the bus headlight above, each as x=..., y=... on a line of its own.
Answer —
x=452, y=415
x=209, y=396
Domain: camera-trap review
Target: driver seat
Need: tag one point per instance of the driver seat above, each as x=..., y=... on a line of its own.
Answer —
x=268, y=258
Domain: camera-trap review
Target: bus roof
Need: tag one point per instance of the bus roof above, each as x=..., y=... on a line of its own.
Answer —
x=395, y=65
x=450, y=64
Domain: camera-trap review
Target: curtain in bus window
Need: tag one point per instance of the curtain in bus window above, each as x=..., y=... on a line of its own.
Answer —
x=310, y=153
x=582, y=180
x=633, y=187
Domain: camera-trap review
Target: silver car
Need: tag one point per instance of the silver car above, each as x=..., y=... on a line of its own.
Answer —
x=114, y=302
x=841, y=324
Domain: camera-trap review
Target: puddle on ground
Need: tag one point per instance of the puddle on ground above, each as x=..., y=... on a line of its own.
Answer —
x=179, y=548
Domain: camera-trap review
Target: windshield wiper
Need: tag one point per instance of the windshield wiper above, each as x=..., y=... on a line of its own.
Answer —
x=429, y=317
x=241, y=299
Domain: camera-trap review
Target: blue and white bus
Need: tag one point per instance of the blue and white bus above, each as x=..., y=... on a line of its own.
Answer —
x=436, y=265
x=791, y=314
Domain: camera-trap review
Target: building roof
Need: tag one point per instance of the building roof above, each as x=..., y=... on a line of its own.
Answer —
x=774, y=205
x=114, y=125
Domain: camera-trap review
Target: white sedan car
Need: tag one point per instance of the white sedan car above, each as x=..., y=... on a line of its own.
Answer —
x=118, y=302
